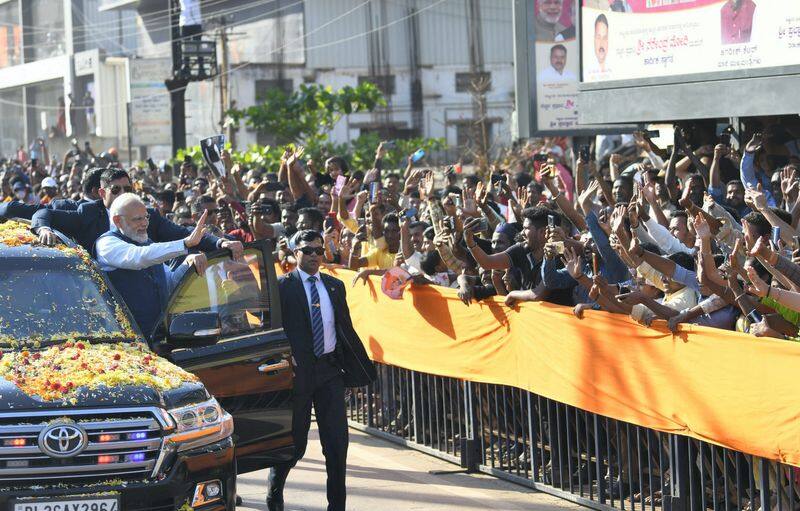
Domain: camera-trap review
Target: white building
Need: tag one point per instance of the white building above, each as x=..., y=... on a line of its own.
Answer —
x=422, y=53
x=50, y=49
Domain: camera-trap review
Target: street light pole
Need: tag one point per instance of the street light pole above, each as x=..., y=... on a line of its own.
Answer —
x=178, y=82
x=224, y=91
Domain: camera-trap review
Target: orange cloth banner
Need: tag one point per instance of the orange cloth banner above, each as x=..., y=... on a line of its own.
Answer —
x=723, y=387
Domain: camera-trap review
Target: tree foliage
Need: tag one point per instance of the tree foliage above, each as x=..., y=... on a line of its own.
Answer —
x=308, y=114
x=306, y=117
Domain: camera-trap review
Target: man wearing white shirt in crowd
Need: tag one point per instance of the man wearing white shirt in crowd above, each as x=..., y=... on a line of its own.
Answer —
x=135, y=265
x=556, y=72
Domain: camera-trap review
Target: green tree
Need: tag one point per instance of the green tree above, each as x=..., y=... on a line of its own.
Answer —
x=307, y=115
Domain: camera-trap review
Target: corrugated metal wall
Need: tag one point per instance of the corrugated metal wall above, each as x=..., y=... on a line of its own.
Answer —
x=442, y=32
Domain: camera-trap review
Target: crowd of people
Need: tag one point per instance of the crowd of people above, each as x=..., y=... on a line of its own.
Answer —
x=704, y=232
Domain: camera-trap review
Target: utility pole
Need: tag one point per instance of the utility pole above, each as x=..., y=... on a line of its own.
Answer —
x=178, y=82
x=224, y=91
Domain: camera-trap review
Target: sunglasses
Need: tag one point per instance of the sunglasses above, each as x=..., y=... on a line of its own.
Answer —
x=139, y=219
x=117, y=189
x=213, y=211
x=312, y=250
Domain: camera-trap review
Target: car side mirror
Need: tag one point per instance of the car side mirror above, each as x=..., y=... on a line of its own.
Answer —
x=195, y=328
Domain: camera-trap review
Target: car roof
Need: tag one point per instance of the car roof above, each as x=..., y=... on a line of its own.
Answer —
x=30, y=251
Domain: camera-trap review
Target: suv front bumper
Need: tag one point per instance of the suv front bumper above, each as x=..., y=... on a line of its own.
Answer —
x=208, y=463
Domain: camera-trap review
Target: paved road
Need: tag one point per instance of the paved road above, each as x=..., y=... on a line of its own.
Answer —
x=383, y=476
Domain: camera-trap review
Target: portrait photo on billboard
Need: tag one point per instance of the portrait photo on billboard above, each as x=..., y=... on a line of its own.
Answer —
x=555, y=68
x=736, y=21
x=554, y=20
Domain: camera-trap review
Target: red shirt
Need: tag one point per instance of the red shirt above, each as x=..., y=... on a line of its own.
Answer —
x=242, y=235
x=737, y=25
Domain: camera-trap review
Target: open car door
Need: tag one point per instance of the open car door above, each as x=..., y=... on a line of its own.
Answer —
x=225, y=327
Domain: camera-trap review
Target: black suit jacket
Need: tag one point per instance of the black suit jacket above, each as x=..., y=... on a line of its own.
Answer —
x=358, y=369
x=90, y=221
x=17, y=209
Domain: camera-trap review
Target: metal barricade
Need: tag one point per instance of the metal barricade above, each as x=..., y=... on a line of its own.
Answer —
x=577, y=455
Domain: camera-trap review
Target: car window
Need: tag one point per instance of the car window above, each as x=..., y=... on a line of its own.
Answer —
x=51, y=300
x=236, y=290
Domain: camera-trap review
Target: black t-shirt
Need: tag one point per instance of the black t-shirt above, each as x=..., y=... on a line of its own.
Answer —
x=529, y=272
x=524, y=266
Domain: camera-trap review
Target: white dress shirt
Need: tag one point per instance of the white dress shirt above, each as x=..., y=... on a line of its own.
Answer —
x=326, y=307
x=551, y=75
x=114, y=253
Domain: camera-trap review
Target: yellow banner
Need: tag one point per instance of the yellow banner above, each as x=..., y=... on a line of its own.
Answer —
x=723, y=387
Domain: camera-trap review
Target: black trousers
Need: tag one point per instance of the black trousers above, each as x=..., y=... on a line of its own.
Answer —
x=323, y=387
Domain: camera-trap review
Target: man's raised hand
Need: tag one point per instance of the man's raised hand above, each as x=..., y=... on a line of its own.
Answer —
x=196, y=236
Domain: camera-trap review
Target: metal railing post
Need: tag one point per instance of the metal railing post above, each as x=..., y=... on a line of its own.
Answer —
x=678, y=500
x=370, y=409
x=470, y=445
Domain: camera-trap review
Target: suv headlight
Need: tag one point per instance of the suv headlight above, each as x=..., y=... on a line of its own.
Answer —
x=200, y=424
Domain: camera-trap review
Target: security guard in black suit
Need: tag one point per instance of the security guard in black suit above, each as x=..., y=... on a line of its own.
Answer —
x=328, y=356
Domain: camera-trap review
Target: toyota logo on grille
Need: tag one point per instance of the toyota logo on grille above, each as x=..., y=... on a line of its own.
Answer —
x=62, y=440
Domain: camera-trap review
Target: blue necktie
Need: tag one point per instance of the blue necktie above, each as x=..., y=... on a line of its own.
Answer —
x=316, y=319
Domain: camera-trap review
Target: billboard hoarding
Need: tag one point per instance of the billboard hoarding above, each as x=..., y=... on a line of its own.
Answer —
x=151, y=121
x=639, y=39
x=554, y=63
x=547, y=67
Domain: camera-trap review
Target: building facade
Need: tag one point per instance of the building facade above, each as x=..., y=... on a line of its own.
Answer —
x=423, y=55
x=52, y=54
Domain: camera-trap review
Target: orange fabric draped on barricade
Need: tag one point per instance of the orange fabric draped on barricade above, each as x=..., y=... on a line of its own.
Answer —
x=723, y=387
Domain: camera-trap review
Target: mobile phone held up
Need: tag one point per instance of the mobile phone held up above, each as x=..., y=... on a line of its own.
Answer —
x=338, y=186
x=373, y=192
x=330, y=221
x=418, y=155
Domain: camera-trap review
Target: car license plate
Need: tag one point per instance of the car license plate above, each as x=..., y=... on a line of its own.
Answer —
x=67, y=504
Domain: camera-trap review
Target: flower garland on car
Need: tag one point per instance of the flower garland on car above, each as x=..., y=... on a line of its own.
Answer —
x=59, y=371
x=15, y=234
